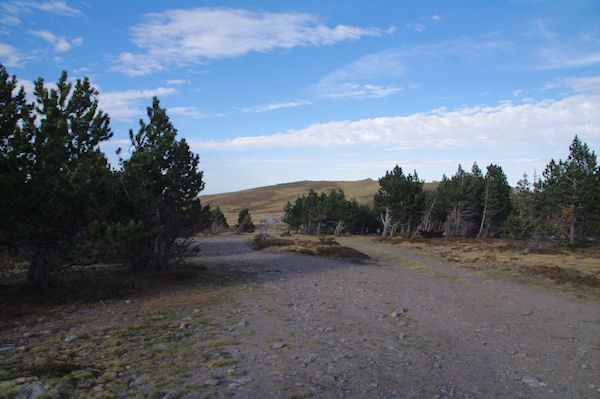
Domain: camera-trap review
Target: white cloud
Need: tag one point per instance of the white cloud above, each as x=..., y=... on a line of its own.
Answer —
x=192, y=112
x=517, y=93
x=539, y=30
x=61, y=44
x=590, y=84
x=194, y=36
x=447, y=164
x=378, y=69
x=416, y=27
x=274, y=106
x=58, y=7
x=11, y=10
x=125, y=105
x=360, y=91
x=584, y=85
x=178, y=82
x=435, y=17
x=9, y=55
x=503, y=126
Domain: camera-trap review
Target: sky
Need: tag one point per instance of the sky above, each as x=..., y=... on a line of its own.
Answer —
x=270, y=92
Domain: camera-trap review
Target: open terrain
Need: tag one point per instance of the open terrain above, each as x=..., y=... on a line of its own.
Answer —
x=238, y=322
x=268, y=202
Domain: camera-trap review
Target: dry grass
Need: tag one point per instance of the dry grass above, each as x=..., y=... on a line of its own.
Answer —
x=577, y=267
x=309, y=246
x=268, y=202
x=167, y=322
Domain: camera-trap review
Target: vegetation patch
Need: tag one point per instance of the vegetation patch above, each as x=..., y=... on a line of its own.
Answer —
x=326, y=246
x=562, y=276
x=575, y=266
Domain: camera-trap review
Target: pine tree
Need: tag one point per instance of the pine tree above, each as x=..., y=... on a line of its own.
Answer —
x=496, y=201
x=55, y=176
x=161, y=182
x=570, y=193
x=401, y=198
x=244, y=224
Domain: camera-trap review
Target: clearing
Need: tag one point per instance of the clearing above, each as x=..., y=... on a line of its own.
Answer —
x=405, y=324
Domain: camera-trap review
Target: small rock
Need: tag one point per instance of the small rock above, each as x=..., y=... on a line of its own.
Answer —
x=32, y=391
x=242, y=380
x=184, y=324
x=278, y=345
x=401, y=336
x=99, y=388
x=179, y=335
x=243, y=323
x=47, y=332
x=170, y=396
x=7, y=348
x=527, y=312
x=28, y=334
x=70, y=338
x=234, y=386
x=329, y=329
x=211, y=382
x=532, y=381
x=128, y=301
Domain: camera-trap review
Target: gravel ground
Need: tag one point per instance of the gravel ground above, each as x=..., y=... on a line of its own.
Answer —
x=282, y=325
x=398, y=327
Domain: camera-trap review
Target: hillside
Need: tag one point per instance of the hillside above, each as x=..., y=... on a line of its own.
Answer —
x=268, y=202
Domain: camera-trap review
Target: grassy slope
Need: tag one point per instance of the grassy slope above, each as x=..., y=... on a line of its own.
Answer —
x=268, y=202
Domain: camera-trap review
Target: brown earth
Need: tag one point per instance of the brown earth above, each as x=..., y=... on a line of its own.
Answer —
x=281, y=325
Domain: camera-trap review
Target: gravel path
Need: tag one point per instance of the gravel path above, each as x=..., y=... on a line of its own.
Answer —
x=398, y=327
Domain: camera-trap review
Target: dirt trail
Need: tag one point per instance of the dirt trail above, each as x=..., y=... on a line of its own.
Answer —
x=261, y=324
x=400, y=327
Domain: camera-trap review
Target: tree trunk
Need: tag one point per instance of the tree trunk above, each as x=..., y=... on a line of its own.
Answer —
x=572, y=231
x=40, y=267
x=485, y=204
x=319, y=228
x=339, y=228
x=386, y=223
x=393, y=229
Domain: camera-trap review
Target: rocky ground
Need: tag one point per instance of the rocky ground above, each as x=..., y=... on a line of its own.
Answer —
x=296, y=326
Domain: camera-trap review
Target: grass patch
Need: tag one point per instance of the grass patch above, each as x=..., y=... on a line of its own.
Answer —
x=327, y=247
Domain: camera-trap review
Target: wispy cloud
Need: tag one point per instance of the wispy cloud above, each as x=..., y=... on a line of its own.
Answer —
x=359, y=91
x=370, y=75
x=125, y=105
x=416, y=27
x=194, y=36
x=538, y=29
x=178, y=82
x=274, y=106
x=61, y=44
x=500, y=126
x=584, y=85
x=12, y=10
x=10, y=56
x=448, y=164
x=192, y=112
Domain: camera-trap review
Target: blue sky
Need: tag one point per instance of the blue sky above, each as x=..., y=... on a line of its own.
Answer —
x=270, y=92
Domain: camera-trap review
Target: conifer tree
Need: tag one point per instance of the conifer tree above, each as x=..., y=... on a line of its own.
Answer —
x=55, y=176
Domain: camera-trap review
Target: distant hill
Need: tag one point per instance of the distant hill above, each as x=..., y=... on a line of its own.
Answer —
x=268, y=202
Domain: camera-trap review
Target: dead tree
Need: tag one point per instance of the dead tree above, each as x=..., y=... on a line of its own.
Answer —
x=339, y=228
x=386, y=223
